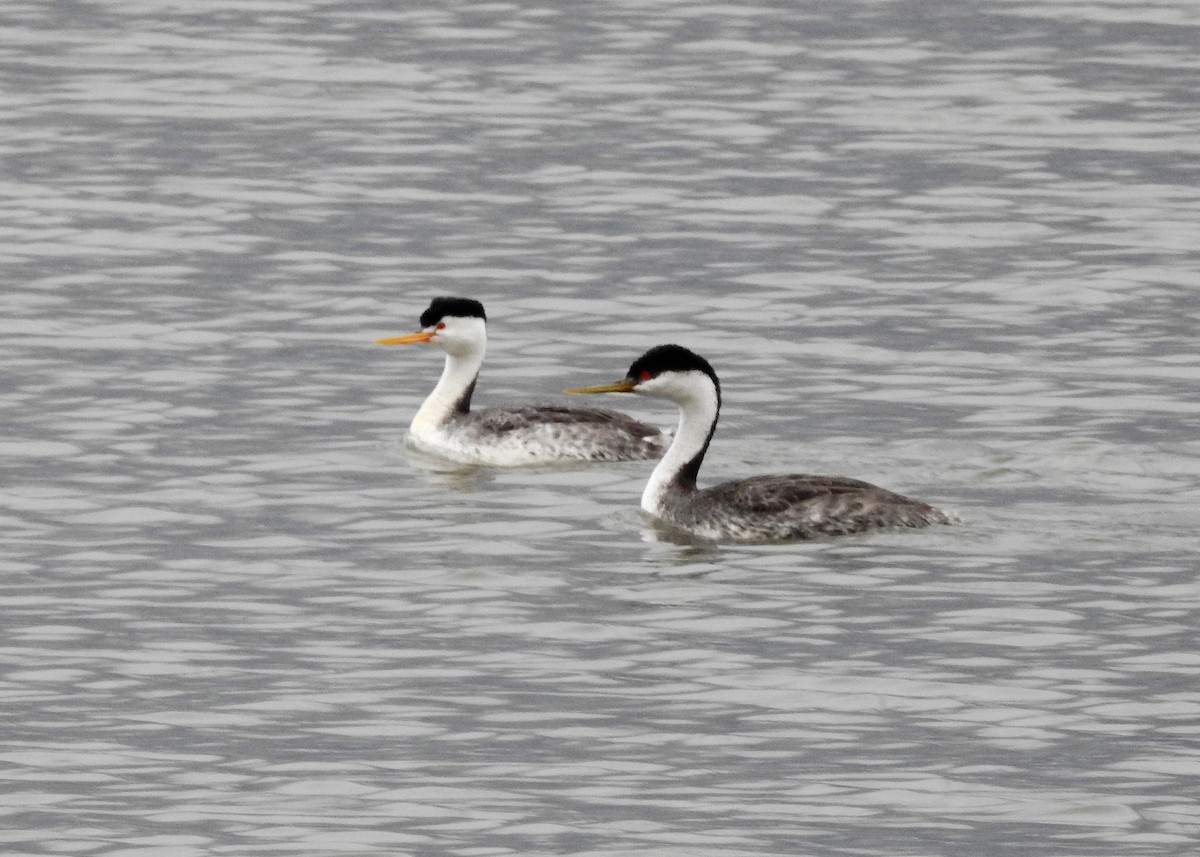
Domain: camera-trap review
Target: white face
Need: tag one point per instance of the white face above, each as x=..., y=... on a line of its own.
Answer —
x=458, y=335
x=679, y=387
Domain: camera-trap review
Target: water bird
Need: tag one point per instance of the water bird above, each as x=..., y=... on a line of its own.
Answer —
x=758, y=509
x=446, y=426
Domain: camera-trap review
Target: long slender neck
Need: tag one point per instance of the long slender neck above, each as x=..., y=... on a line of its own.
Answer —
x=678, y=469
x=452, y=395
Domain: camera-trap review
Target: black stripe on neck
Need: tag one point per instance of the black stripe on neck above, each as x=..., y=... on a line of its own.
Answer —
x=690, y=472
x=463, y=404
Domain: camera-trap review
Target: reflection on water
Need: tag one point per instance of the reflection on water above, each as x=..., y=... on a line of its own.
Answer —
x=947, y=250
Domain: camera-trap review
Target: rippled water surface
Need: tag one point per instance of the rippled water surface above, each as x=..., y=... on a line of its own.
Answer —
x=947, y=247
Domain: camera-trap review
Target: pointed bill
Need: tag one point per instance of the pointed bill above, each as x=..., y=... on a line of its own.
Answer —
x=625, y=385
x=419, y=336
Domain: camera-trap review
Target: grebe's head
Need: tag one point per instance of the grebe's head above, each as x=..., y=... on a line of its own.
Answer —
x=664, y=372
x=457, y=325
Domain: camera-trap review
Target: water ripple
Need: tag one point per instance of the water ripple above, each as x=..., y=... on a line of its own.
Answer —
x=944, y=249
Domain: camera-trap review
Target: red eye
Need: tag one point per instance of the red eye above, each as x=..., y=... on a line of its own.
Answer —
x=441, y=325
x=646, y=376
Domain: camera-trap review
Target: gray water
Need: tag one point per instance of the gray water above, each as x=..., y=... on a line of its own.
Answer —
x=951, y=248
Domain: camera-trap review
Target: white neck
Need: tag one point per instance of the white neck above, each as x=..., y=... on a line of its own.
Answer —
x=698, y=410
x=459, y=373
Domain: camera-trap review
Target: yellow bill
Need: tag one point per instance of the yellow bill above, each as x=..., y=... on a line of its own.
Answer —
x=419, y=336
x=625, y=385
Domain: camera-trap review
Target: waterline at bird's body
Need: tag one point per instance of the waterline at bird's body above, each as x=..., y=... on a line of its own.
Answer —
x=761, y=508
x=521, y=435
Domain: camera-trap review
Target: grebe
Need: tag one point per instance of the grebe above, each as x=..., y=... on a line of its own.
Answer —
x=758, y=509
x=446, y=426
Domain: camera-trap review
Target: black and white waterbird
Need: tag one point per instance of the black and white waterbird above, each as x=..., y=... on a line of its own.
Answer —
x=758, y=509
x=446, y=426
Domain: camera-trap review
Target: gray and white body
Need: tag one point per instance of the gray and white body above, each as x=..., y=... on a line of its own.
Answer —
x=522, y=435
x=761, y=508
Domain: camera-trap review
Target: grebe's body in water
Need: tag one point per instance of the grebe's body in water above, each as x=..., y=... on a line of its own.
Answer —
x=446, y=426
x=758, y=509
